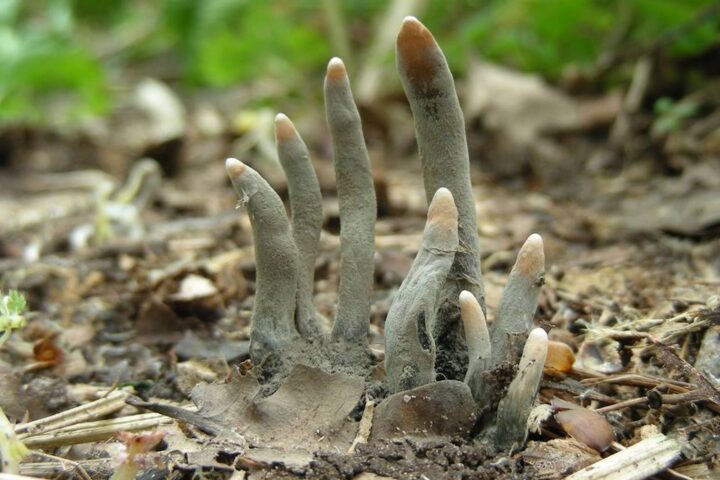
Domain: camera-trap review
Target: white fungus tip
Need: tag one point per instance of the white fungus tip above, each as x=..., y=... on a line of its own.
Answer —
x=537, y=335
x=284, y=128
x=234, y=167
x=466, y=296
x=336, y=69
x=410, y=19
x=531, y=258
x=442, y=209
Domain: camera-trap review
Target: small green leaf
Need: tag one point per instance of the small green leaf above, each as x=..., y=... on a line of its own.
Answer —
x=16, y=302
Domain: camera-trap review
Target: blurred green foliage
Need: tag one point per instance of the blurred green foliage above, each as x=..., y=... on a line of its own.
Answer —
x=62, y=53
x=670, y=115
x=227, y=41
x=545, y=36
x=42, y=63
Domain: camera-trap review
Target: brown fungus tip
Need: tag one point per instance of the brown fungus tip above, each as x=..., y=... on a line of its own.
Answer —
x=234, y=167
x=531, y=258
x=336, y=69
x=417, y=50
x=414, y=33
x=284, y=128
x=442, y=211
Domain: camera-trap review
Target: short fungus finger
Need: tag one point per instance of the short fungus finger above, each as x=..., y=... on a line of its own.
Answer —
x=515, y=407
x=273, y=325
x=409, y=347
x=478, y=340
x=515, y=312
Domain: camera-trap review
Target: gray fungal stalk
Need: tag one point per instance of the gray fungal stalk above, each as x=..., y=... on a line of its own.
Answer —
x=273, y=325
x=436, y=327
x=358, y=208
x=306, y=213
x=440, y=132
x=409, y=347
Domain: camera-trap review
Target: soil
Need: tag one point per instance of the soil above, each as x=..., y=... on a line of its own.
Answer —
x=163, y=301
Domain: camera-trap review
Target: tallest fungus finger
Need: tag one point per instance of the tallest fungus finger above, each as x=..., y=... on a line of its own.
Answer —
x=358, y=209
x=276, y=258
x=440, y=131
x=306, y=209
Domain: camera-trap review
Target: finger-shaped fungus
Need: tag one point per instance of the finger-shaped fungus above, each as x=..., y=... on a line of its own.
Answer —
x=306, y=216
x=514, y=408
x=478, y=340
x=409, y=347
x=273, y=325
x=358, y=208
x=436, y=326
x=440, y=132
x=515, y=312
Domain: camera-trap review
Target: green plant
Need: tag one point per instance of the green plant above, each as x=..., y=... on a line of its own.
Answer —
x=671, y=114
x=12, y=450
x=12, y=307
x=267, y=36
x=55, y=55
x=545, y=37
x=42, y=64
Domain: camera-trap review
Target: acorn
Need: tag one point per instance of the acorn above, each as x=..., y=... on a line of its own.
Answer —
x=587, y=427
x=560, y=358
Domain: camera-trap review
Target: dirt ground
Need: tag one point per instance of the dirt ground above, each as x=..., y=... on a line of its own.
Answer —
x=149, y=286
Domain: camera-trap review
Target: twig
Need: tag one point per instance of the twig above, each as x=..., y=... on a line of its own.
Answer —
x=637, y=380
x=668, y=356
x=76, y=466
x=96, y=468
x=639, y=461
x=365, y=426
x=104, y=406
x=624, y=404
x=95, y=431
x=187, y=415
x=632, y=102
x=12, y=476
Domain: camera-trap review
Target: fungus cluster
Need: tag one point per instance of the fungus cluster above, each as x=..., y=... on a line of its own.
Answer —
x=438, y=348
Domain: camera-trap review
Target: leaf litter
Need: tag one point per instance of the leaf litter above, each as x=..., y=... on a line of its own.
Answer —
x=632, y=291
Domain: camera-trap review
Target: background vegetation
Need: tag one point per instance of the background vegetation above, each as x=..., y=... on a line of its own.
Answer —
x=71, y=55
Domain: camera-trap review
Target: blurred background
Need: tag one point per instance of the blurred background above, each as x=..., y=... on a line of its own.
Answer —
x=595, y=123
x=67, y=63
x=610, y=106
